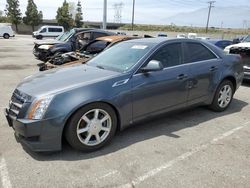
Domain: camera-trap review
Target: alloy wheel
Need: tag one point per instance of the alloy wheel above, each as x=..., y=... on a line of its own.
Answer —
x=225, y=96
x=94, y=127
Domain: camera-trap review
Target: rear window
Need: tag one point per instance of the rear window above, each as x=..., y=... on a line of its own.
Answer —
x=195, y=52
x=55, y=30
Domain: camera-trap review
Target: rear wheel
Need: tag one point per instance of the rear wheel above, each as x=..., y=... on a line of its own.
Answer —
x=6, y=36
x=91, y=127
x=223, y=96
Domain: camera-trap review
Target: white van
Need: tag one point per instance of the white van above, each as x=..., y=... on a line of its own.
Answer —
x=6, y=31
x=48, y=31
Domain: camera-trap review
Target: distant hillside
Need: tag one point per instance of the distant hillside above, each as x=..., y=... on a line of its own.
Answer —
x=232, y=17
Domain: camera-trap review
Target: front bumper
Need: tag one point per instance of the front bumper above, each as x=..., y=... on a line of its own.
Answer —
x=40, y=54
x=38, y=135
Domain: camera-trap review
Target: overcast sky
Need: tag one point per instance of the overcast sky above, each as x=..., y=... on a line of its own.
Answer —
x=147, y=11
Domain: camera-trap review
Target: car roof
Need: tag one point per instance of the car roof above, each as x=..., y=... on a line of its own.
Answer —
x=218, y=40
x=159, y=40
x=115, y=38
x=78, y=30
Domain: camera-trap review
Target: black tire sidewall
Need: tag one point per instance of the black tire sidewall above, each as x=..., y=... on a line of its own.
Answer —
x=39, y=37
x=215, y=106
x=70, y=130
x=6, y=36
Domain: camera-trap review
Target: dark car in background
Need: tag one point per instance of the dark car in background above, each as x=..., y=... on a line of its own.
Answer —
x=126, y=83
x=85, y=54
x=221, y=43
x=72, y=41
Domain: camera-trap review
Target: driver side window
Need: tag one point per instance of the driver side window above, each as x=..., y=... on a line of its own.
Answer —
x=169, y=55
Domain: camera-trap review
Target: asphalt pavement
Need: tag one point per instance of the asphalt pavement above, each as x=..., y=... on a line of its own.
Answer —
x=192, y=148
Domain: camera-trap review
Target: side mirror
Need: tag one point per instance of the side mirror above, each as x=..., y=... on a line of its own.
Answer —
x=152, y=66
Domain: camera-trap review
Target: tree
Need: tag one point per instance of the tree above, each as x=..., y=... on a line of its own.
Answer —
x=33, y=17
x=63, y=17
x=3, y=18
x=13, y=12
x=78, y=17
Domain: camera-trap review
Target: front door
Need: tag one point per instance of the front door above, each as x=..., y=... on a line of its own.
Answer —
x=161, y=91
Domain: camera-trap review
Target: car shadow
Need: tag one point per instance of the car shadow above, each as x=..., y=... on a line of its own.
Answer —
x=159, y=126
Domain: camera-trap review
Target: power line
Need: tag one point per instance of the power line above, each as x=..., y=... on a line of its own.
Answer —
x=211, y=3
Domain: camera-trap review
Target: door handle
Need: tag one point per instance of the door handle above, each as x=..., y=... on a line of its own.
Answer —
x=182, y=77
x=213, y=68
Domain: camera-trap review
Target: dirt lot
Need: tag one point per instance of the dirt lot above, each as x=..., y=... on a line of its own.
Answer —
x=195, y=148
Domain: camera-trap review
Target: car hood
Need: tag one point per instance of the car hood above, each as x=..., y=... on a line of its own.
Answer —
x=48, y=42
x=63, y=79
x=243, y=44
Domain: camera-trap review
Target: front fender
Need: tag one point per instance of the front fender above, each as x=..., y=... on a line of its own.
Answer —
x=67, y=103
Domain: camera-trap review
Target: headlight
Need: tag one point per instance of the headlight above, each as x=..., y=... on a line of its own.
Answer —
x=39, y=107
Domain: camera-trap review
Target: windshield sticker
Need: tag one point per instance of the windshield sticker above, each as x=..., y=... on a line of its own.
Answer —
x=139, y=47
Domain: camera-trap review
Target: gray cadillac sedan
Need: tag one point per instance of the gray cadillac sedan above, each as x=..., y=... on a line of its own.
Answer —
x=87, y=104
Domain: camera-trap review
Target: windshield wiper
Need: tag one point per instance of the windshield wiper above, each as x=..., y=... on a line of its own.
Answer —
x=100, y=67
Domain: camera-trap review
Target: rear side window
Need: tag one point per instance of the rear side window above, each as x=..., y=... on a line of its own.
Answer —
x=195, y=52
x=169, y=55
x=55, y=30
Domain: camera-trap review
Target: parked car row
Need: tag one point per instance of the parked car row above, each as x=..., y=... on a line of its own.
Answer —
x=70, y=41
x=132, y=79
x=85, y=53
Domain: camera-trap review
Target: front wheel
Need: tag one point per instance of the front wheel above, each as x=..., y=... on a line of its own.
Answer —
x=6, y=36
x=223, y=96
x=91, y=127
x=39, y=37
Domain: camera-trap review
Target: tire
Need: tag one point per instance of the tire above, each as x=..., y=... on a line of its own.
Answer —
x=39, y=37
x=6, y=36
x=223, y=96
x=83, y=128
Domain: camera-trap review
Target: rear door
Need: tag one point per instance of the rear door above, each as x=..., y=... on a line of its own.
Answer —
x=203, y=71
x=161, y=91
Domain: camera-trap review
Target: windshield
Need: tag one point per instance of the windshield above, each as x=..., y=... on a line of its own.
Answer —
x=121, y=57
x=65, y=36
x=247, y=39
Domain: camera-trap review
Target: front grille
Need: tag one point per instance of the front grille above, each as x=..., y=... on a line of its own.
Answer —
x=16, y=103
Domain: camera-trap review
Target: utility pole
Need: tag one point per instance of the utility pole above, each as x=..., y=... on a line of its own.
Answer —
x=133, y=15
x=211, y=3
x=104, y=23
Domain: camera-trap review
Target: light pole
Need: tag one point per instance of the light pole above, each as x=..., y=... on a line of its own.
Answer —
x=104, y=22
x=133, y=15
